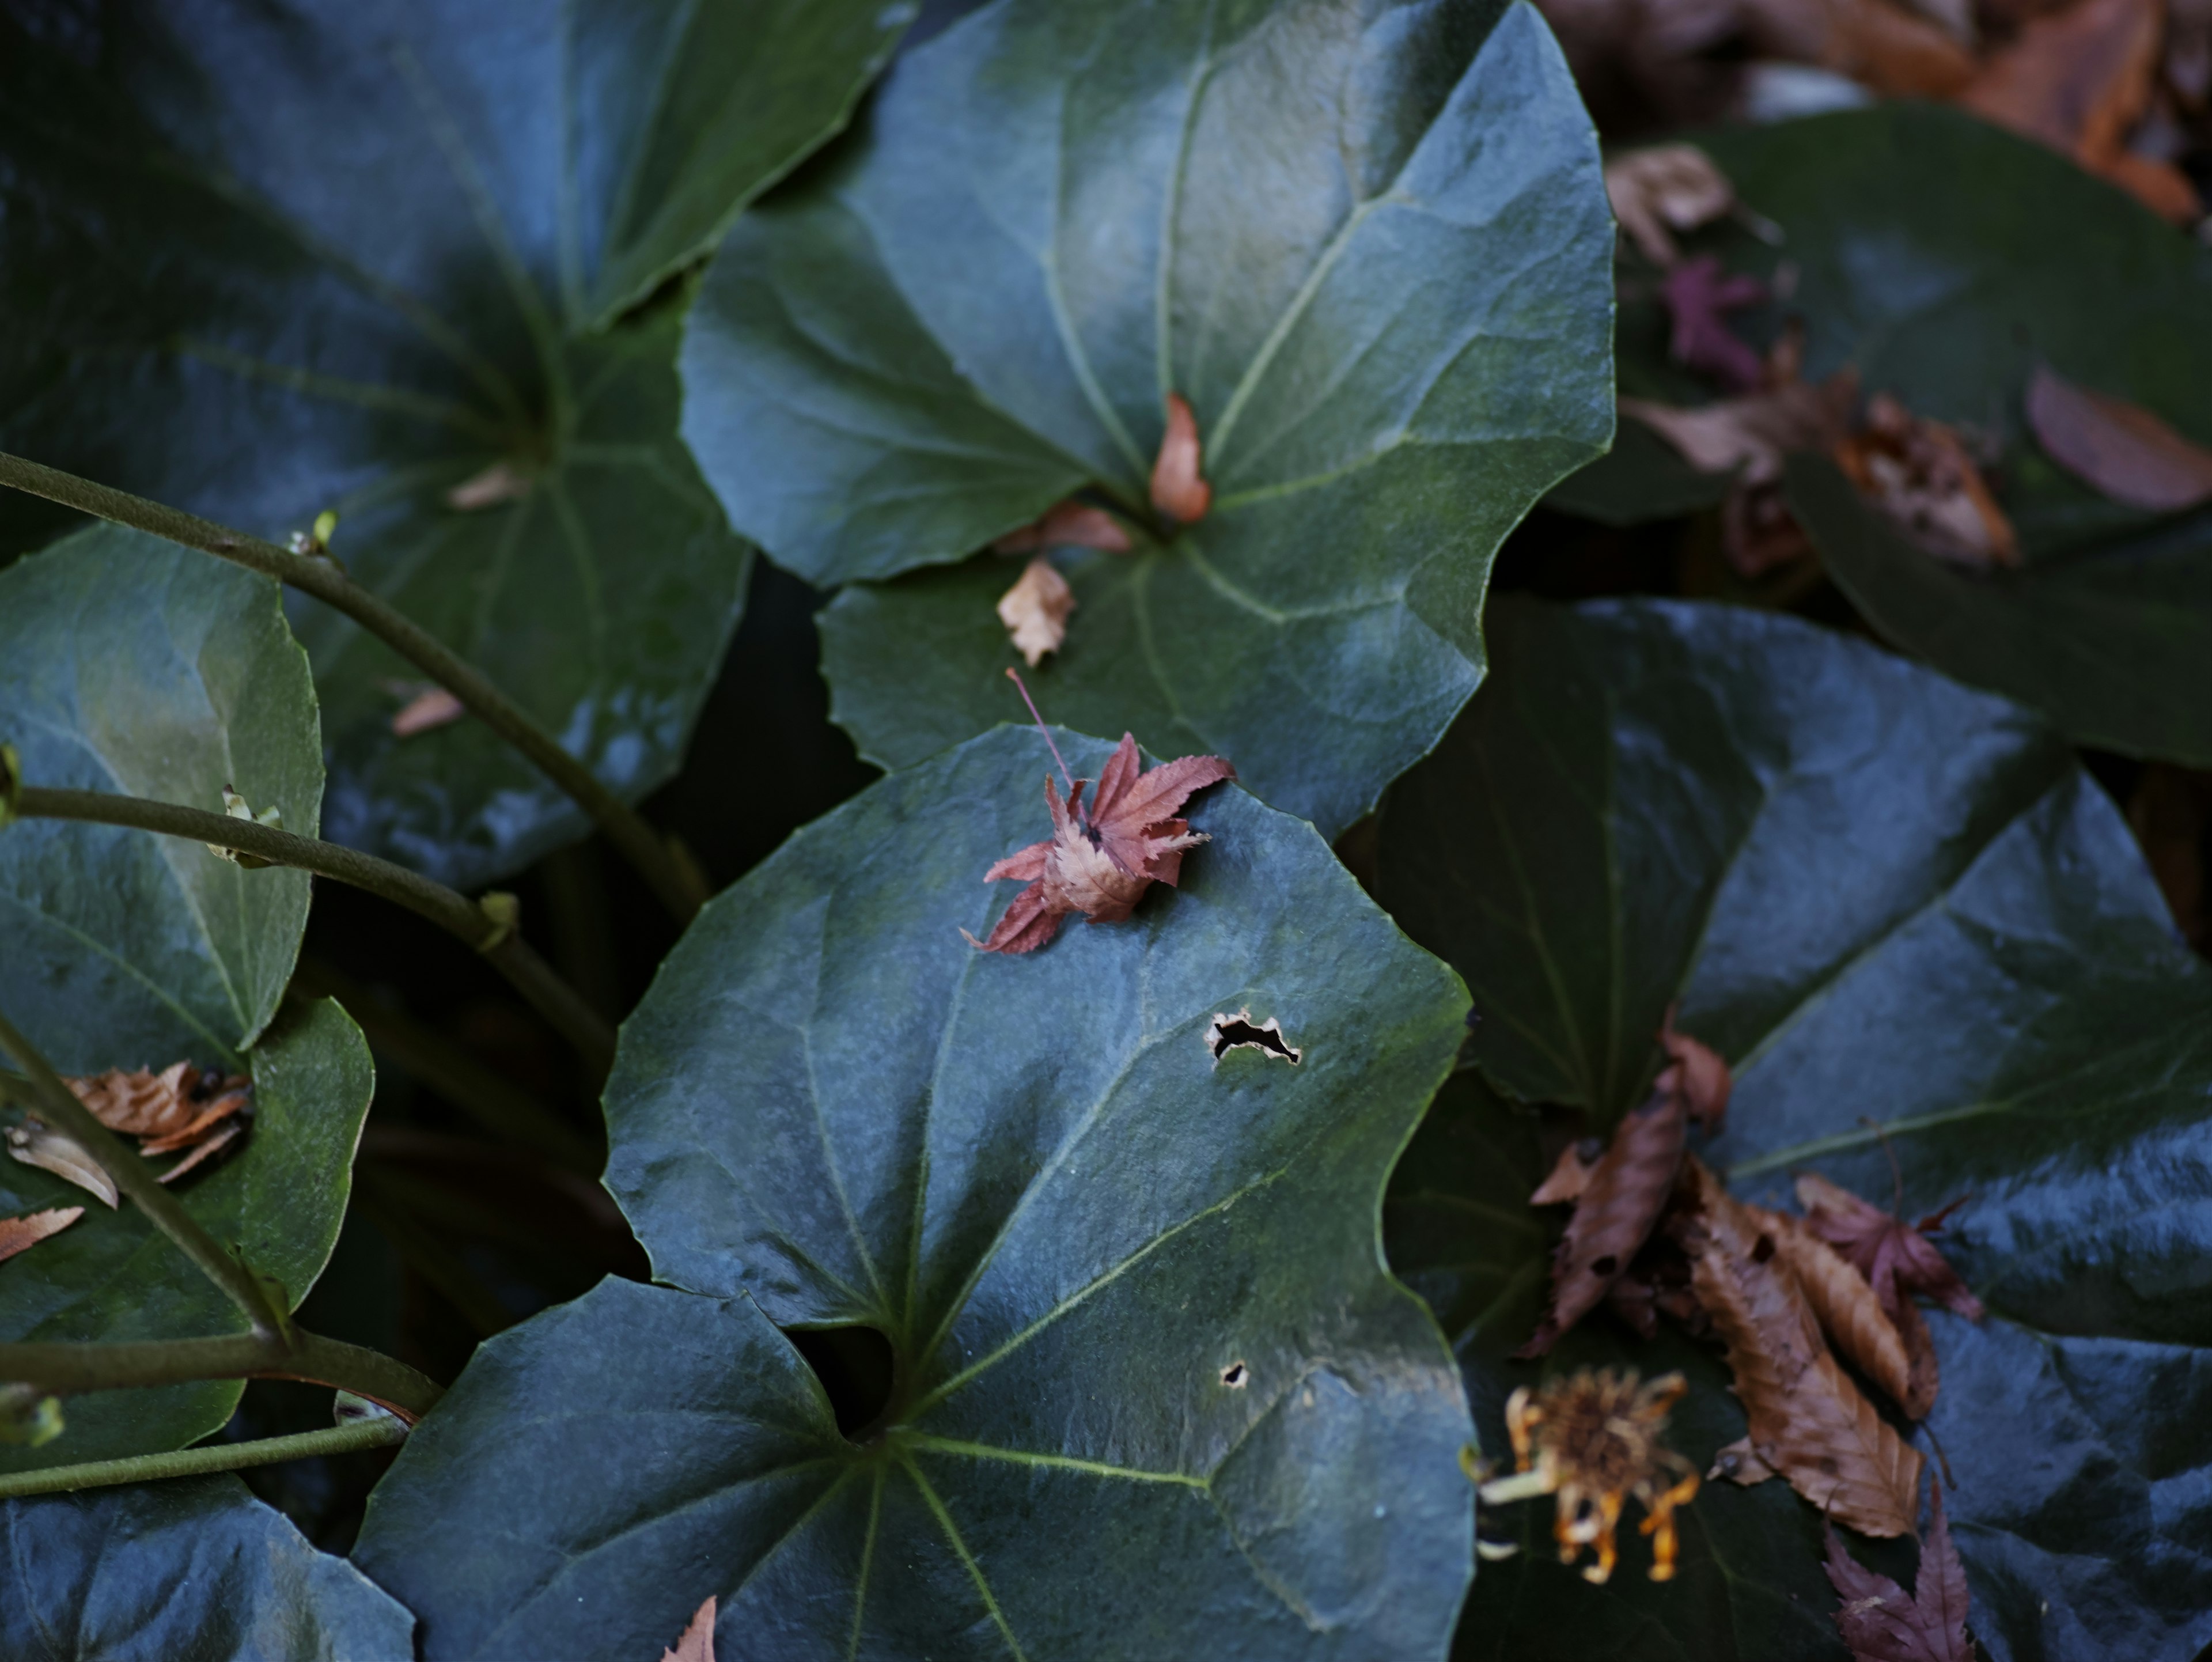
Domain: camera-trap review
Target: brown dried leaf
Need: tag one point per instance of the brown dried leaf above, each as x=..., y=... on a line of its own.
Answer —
x=698, y=1643
x=34, y=1144
x=1667, y=188
x=1698, y=1071
x=2120, y=447
x=1571, y=1174
x=1100, y=864
x=21, y=1234
x=1179, y=486
x=426, y=711
x=1881, y=1622
x=1849, y=1313
x=502, y=482
x=1897, y=1258
x=1916, y=472
x=169, y=1109
x=1625, y=1192
x=1068, y=523
x=1753, y=432
x=1809, y=1423
x=1035, y=610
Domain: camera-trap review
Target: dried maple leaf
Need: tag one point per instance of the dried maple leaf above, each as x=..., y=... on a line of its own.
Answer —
x=2120, y=447
x=427, y=710
x=698, y=1643
x=1808, y=1422
x=1068, y=523
x=21, y=1234
x=1851, y=1315
x=1699, y=296
x=1179, y=486
x=1897, y=1259
x=1035, y=610
x=1667, y=188
x=1100, y=864
x=1881, y=1622
x=181, y=1107
x=1919, y=474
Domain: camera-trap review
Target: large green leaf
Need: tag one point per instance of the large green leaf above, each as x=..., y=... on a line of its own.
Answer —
x=132, y=665
x=1366, y=239
x=1881, y=897
x=1923, y=253
x=197, y=1569
x=113, y=1276
x=271, y=258
x=1152, y=1392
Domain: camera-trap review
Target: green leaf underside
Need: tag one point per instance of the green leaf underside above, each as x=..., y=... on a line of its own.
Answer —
x=1922, y=247
x=129, y=665
x=192, y=1568
x=1367, y=241
x=309, y=255
x=1069, y=1220
x=111, y=1276
x=1879, y=896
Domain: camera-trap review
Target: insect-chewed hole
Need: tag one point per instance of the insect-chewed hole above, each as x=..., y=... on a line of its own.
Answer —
x=1605, y=1266
x=1763, y=1249
x=1225, y=1033
x=1236, y=1376
x=855, y=1367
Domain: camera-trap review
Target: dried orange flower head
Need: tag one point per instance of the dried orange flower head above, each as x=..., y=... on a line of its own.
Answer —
x=1591, y=1439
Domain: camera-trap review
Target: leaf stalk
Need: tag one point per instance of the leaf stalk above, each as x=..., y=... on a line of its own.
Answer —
x=64, y=1369
x=193, y=1462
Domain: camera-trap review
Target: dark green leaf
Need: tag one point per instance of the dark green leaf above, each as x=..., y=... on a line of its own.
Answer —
x=290, y=257
x=279, y=1198
x=1369, y=244
x=190, y=1571
x=1152, y=1392
x=1883, y=898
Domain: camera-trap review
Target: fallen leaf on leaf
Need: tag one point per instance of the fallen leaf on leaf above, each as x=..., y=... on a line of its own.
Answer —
x=1916, y=472
x=1667, y=188
x=502, y=482
x=1699, y=296
x=1897, y=1259
x=34, y=1144
x=181, y=1107
x=2123, y=450
x=1068, y=523
x=698, y=1643
x=1850, y=1314
x=1570, y=1173
x=1179, y=486
x=1809, y=1423
x=426, y=711
x=21, y=1234
x=1100, y=864
x=1881, y=1622
x=1698, y=1071
x=1035, y=610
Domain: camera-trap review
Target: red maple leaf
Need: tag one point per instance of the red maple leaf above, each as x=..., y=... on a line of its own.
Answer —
x=1882, y=1623
x=1897, y=1259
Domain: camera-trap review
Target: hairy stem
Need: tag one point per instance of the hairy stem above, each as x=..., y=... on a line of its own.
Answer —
x=59, y=1107
x=64, y=1369
x=672, y=880
x=529, y=974
x=216, y=1456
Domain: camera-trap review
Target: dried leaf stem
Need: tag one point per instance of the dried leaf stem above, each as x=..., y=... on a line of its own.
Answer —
x=69, y=1369
x=528, y=973
x=378, y=1433
x=670, y=878
x=59, y=1107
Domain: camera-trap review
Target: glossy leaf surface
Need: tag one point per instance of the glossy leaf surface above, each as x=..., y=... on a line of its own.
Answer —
x=195, y=1569
x=1366, y=241
x=1881, y=897
x=1152, y=1392
x=320, y=255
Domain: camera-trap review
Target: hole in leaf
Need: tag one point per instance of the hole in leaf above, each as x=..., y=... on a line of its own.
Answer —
x=856, y=1367
x=1227, y=1033
x=1235, y=1376
x=1605, y=1266
x=1763, y=1250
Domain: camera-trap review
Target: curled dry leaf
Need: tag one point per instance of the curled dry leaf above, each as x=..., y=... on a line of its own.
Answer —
x=1809, y=1423
x=697, y=1642
x=180, y=1108
x=1570, y=1173
x=1919, y=474
x=1035, y=610
x=426, y=711
x=1667, y=188
x=1698, y=296
x=1068, y=523
x=2120, y=447
x=1179, y=486
x=34, y=1144
x=21, y=1234
x=1897, y=1259
x=1697, y=1071
x=1100, y=864
x=1881, y=1622
x=1850, y=1315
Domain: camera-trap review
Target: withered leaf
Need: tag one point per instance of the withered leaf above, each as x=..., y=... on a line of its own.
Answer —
x=1697, y=1071
x=1570, y=1173
x=502, y=482
x=1664, y=189
x=1068, y=523
x=1881, y=1622
x=35, y=1144
x=177, y=1106
x=1100, y=864
x=2121, y=449
x=1035, y=610
x=1850, y=1315
x=1753, y=432
x=697, y=1642
x=426, y=711
x=1809, y=1423
x=1179, y=486
x=21, y=1234
x=1917, y=471
x=1699, y=296
x=1897, y=1259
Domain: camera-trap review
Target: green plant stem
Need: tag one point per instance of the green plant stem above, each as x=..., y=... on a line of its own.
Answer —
x=671, y=880
x=529, y=974
x=59, y=1107
x=64, y=1369
x=215, y=1456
